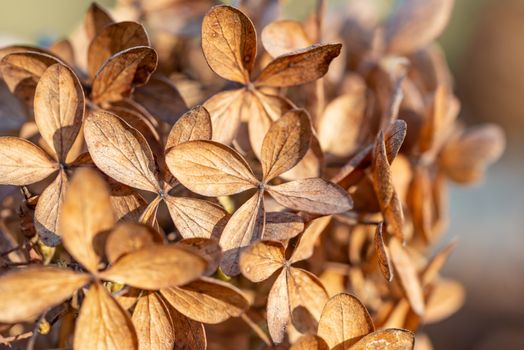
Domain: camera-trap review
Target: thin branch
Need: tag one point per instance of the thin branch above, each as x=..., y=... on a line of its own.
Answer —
x=256, y=328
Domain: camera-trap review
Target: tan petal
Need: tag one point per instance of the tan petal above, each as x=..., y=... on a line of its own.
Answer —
x=384, y=261
x=207, y=300
x=189, y=334
x=339, y=130
x=282, y=226
x=415, y=24
x=262, y=109
x=27, y=293
x=196, y=217
x=466, y=158
x=310, y=342
x=120, y=151
x=59, y=108
x=157, y=266
x=210, y=168
x=299, y=67
x=446, y=298
x=161, y=98
x=208, y=248
x=285, y=144
x=127, y=203
x=312, y=165
x=86, y=213
x=193, y=125
x=49, y=210
x=245, y=227
x=95, y=20
x=284, y=36
x=129, y=237
x=226, y=110
x=112, y=39
x=278, y=313
x=432, y=269
x=153, y=324
x=103, y=323
x=314, y=195
x=405, y=270
x=229, y=43
x=23, y=163
x=397, y=339
x=122, y=72
x=64, y=50
x=22, y=70
x=261, y=260
x=344, y=321
x=308, y=240
x=307, y=297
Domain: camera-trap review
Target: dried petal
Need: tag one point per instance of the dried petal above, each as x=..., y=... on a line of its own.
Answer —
x=49, y=210
x=195, y=124
x=397, y=339
x=261, y=260
x=284, y=36
x=153, y=324
x=59, y=108
x=27, y=293
x=314, y=195
x=103, y=324
x=129, y=237
x=382, y=255
x=229, y=43
x=306, y=245
x=278, y=312
x=282, y=226
x=86, y=213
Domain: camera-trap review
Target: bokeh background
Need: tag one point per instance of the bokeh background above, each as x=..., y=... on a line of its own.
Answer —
x=484, y=44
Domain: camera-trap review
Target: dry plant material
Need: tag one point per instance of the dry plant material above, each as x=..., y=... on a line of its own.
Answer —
x=100, y=128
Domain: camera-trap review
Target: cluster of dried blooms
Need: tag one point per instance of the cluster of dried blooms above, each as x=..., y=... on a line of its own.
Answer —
x=304, y=190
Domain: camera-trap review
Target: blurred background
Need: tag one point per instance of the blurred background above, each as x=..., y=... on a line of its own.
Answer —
x=484, y=44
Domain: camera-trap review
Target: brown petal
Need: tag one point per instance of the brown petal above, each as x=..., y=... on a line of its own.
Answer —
x=112, y=39
x=196, y=217
x=103, y=324
x=210, y=168
x=261, y=260
x=306, y=245
x=278, y=312
x=282, y=226
x=208, y=248
x=398, y=339
x=64, y=50
x=129, y=237
x=344, y=321
x=96, y=19
x=27, y=293
x=195, y=124
x=161, y=98
x=22, y=70
x=207, y=300
x=120, y=151
x=122, y=72
x=340, y=128
x=405, y=270
x=444, y=300
x=382, y=255
x=157, y=266
x=23, y=163
x=285, y=144
x=299, y=67
x=416, y=24
x=12, y=112
x=49, y=210
x=189, y=334
x=153, y=324
x=59, y=108
x=310, y=342
x=284, y=36
x=435, y=265
x=226, y=110
x=314, y=195
x=229, y=43
x=86, y=213
x=245, y=227
x=465, y=159
x=127, y=203
x=307, y=297
x=262, y=109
